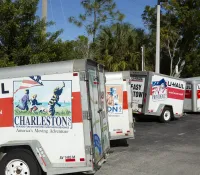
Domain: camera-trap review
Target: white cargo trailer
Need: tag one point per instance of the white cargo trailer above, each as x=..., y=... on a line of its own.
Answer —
x=158, y=95
x=192, y=95
x=118, y=98
x=53, y=118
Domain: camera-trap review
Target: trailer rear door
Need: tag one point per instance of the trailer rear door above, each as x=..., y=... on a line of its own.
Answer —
x=188, y=97
x=118, y=97
x=198, y=97
x=99, y=122
x=103, y=112
x=138, y=94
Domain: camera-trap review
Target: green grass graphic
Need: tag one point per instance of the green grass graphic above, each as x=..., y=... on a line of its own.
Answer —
x=60, y=111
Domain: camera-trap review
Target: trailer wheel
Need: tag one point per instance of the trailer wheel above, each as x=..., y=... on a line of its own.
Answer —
x=166, y=115
x=19, y=162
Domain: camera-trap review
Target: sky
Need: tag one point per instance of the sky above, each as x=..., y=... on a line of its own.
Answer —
x=60, y=10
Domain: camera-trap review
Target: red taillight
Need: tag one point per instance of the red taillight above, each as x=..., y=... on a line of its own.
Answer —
x=69, y=160
x=198, y=94
x=75, y=74
x=82, y=159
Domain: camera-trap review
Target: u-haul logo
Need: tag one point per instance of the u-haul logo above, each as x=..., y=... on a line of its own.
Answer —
x=159, y=90
x=175, y=84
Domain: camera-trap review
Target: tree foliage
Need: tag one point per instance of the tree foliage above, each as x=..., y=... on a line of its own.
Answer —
x=22, y=40
x=180, y=28
x=115, y=44
x=118, y=47
x=75, y=49
x=97, y=13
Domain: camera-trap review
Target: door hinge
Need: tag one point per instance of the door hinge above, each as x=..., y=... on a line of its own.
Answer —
x=130, y=104
x=91, y=151
x=87, y=115
x=88, y=150
x=98, y=67
x=100, y=110
x=109, y=135
x=83, y=76
x=129, y=81
x=131, y=125
x=96, y=79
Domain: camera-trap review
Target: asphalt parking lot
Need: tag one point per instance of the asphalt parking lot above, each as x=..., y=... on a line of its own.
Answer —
x=158, y=149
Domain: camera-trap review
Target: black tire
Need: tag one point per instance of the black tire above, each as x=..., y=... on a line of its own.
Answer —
x=23, y=155
x=166, y=115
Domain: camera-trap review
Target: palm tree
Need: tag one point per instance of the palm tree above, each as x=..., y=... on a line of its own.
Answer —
x=118, y=47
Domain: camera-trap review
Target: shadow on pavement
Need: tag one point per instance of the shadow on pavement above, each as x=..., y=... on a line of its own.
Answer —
x=193, y=113
x=119, y=143
x=145, y=118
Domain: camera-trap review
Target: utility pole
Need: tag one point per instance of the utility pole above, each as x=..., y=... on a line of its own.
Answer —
x=44, y=12
x=157, y=65
x=143, y=62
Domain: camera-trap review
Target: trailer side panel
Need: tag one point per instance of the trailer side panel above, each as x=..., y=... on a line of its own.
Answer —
x=166, y=91
x=47, y=109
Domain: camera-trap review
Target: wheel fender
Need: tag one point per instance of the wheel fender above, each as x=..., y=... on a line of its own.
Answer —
x=160, y=109
x=34, y=146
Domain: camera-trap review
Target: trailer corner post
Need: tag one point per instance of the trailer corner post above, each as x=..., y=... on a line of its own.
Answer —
x=194, y=97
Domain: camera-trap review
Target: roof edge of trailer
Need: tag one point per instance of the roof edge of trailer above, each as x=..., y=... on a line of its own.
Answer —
x=46, y=68
x=192, y=80
x=78, y=64
x=154, y=73
x=118, y=74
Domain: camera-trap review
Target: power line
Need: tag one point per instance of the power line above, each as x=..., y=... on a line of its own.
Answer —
x=52, y=14
x=62, y=10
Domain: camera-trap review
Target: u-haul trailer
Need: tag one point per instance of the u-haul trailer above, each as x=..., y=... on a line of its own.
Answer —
x=158, y=95
x=118, y=98
x=53, y=118
x=192, y=95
